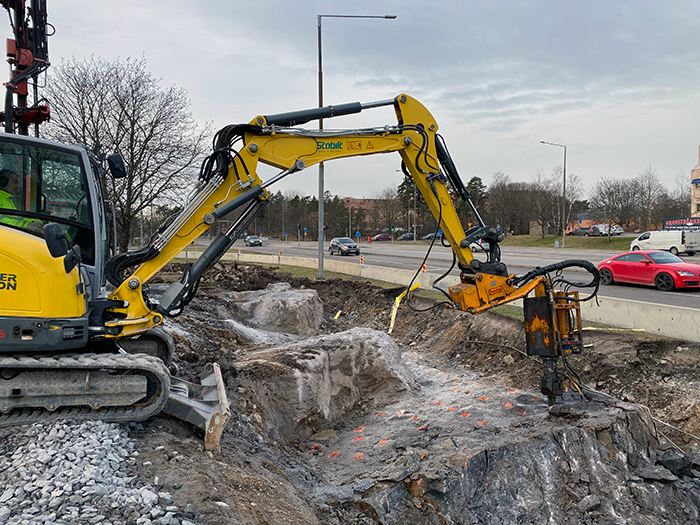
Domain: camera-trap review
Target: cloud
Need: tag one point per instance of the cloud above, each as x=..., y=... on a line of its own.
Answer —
x=498, y=76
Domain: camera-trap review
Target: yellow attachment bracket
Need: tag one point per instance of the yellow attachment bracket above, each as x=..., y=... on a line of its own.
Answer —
x=397, y=302
x=479, y=292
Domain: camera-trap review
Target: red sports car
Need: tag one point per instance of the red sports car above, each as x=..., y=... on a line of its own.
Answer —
x=653, y=267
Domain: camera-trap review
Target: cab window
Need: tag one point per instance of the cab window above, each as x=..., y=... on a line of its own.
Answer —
x=52, y=188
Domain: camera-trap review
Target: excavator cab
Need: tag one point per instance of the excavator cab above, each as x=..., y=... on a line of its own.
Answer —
x=48, y=183
x=54, y=249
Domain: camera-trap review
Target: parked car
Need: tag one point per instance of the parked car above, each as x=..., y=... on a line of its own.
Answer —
x=253, y=240
x=587, y=231
x=674, y=241
x=381, y=237
x=430, y=236
x=651, y=267
x=481, y=246
x=614, y=229
x=344, y=246
x=407, y=237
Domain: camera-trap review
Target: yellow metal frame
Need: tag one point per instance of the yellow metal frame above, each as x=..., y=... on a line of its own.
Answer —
x=34, y=284
x=138, y=317
x=415, y=142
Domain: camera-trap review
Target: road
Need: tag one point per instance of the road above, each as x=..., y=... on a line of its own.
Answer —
x=409, y=256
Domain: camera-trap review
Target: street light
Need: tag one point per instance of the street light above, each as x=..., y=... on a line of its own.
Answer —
x=320, y=275
x=563, y=206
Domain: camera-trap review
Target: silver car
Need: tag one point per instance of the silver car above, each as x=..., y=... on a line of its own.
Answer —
x=344, y=246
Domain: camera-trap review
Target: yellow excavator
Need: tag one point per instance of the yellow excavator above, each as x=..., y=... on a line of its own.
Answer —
x=81, y=338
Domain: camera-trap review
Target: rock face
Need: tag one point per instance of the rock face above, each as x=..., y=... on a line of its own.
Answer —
x=398, y=443
x=306, y=386
x=279, y=308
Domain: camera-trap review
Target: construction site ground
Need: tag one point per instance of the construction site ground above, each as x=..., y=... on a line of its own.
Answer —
x=469, y=401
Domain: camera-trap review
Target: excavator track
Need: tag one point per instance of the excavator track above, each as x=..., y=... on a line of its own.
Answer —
x=108, y=387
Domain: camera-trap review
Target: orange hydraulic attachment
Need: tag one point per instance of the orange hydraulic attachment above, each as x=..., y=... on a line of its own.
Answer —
x=481, y=291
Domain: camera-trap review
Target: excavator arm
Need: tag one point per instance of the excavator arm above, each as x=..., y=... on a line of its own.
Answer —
x=229, y=181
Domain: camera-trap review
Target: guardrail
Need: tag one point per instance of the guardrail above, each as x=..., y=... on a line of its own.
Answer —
x=670, y=321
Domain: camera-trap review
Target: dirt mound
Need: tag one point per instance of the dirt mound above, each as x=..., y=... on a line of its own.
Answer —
x=257, y=479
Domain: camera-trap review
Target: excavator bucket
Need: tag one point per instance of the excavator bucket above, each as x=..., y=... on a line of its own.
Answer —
x=205, y=405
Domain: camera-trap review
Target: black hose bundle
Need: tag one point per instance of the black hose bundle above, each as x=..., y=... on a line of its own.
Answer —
x=558, y=267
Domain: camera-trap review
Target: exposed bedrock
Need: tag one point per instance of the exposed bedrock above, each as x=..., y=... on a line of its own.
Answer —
x=306, y=386
x=279, y=308
x=397, y=440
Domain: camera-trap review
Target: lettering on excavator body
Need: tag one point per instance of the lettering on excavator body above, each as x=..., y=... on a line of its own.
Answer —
x=8, y=281
x=330, y=145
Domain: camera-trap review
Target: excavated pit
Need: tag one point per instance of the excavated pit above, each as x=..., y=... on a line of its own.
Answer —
x=336, y=422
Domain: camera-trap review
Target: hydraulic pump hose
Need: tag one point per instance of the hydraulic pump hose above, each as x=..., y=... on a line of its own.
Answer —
x=570, y=263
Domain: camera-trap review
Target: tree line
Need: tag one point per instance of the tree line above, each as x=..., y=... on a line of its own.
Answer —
x=120, y=107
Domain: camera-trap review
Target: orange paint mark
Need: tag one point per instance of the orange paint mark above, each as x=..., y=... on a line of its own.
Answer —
x=399, y=413
x=419, y=481
x=358, y=456
x=451, y=409
x=534, y=399
x=454, y=388
x=438, y=402
x=358, y=438
x=316, y=446
x=512, y=390
x=414, y=418
x=359, y=429
x=423, y=427
x=466, y=414
x=383, y=413
x=508, y=405
x=480, y=423
x=521, y=412
x=484, y=398
x=333, y=454
x=381, y=441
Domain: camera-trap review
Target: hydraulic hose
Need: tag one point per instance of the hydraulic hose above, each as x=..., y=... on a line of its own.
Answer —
x=575, y=263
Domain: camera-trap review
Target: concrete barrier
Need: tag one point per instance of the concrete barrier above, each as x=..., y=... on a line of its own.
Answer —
x=670, y=321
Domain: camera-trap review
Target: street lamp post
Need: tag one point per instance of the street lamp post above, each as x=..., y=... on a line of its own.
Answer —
x=563, y=206
x=320, y=275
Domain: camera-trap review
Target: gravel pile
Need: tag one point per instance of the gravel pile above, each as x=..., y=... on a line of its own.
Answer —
x=78, y=474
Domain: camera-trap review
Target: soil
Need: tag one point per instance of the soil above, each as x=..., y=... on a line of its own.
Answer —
x=255, y=480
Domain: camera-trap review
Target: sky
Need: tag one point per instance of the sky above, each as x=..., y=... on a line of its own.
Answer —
x=617, y=82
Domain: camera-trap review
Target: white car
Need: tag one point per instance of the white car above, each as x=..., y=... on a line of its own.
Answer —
x=481, y=246
x=615, y=229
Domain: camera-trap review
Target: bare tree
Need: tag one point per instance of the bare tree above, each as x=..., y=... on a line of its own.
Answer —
x=615, y=201
x=649, y=192
x=121, y=107
x=544, y=201
x=389, y=209
x=681, y=193
x=605, y=200
x=499, y=199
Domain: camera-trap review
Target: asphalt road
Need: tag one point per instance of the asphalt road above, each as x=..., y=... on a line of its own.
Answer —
x=409, y=256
